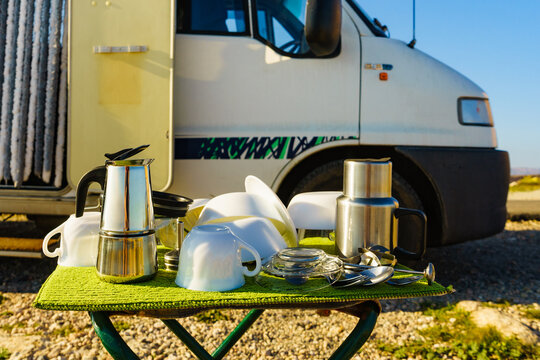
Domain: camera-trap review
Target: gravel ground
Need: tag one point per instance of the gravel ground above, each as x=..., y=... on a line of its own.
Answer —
x=496, y=269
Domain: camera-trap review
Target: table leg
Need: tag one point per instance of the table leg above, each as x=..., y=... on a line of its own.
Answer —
x=225, y=346
x=367, y=314
x=187, y=339
x=237, y=333
x=111, y=340
x=117, y=347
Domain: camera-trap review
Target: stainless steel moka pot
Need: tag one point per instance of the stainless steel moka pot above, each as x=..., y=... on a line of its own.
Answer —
x=367, y=214
x=127, y=250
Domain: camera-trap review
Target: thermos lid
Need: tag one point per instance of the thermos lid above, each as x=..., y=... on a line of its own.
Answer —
x=367, y=178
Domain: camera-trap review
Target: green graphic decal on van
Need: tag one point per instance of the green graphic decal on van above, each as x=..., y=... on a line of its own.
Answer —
x=248, y=147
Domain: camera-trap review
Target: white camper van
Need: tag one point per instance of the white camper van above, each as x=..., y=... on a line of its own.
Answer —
x=281, y=89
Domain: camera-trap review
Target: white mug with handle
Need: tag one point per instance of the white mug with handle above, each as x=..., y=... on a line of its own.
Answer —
x=79, y=239
x=210, y=260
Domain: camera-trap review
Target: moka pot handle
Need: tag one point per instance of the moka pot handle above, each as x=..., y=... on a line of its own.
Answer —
x=95, y=175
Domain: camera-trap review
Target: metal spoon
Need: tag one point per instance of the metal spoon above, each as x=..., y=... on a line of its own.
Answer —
x=351, y=279
x=372, y=276
x=378, y=274
x=428, y=273
x=404, y=281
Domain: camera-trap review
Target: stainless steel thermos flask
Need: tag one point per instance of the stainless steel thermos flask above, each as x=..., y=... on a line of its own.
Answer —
x=367, y=214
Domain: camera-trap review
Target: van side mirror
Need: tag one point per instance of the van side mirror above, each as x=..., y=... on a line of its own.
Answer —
x=323, y=26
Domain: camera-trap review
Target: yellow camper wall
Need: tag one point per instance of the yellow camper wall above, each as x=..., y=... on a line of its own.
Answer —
x=120, y=83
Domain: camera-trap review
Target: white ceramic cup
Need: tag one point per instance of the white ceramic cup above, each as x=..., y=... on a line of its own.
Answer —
x=210, y=260
x=79, y=238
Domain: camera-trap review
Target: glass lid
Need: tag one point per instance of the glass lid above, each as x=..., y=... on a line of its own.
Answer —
x=301, y=255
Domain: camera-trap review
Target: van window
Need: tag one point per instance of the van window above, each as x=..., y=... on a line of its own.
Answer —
x=224, y=17
x=280, y=24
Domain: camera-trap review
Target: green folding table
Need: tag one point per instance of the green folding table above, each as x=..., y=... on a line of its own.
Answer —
x=70, y=288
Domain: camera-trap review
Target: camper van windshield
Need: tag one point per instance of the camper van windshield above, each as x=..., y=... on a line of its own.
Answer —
x=373, y=25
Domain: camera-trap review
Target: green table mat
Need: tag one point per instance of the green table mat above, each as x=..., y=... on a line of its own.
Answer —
x=77, y=288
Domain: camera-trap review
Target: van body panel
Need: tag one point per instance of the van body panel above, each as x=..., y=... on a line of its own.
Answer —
x=209, y=178
x=206, y=166
x=418, y=104
x=120, y=95
x=225, y=82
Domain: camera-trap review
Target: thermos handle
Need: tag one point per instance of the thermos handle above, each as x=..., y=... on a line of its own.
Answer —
x=399, y=251
x=95, y=175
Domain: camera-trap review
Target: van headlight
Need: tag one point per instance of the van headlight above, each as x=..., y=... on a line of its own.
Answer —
x=474, y=111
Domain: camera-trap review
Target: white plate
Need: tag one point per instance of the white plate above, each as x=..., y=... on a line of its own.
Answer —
x=254, y=185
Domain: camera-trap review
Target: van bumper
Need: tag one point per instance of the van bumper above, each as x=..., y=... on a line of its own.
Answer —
x=471, y=186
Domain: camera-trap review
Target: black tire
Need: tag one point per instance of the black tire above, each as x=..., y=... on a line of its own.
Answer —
x=329, y=176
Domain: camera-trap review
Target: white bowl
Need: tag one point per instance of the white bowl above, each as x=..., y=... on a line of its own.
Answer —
x=237, y=204
x=259, y=233
x=314, y=210
x=254, y=185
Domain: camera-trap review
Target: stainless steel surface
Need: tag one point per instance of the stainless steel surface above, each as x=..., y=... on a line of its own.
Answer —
x=367, y=178
x=364, y=215
x=371, y=275
x=404, y=281
x=350, y=279
x=171, y=260
x=171, y=267
x=172, y=257
x=180, y=230
x=127, y=206
x=367, y=214
x=363, y=222
x=356, y=267
x=127, y=259
x=428, y=273
x=377, y=275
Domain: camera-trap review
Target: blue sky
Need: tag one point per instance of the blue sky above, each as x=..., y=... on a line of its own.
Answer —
x=494, y=43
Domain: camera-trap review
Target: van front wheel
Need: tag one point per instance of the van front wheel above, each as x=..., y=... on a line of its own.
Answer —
x=329, y=177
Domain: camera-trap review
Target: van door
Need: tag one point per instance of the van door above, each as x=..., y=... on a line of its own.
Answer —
x=121, y=71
